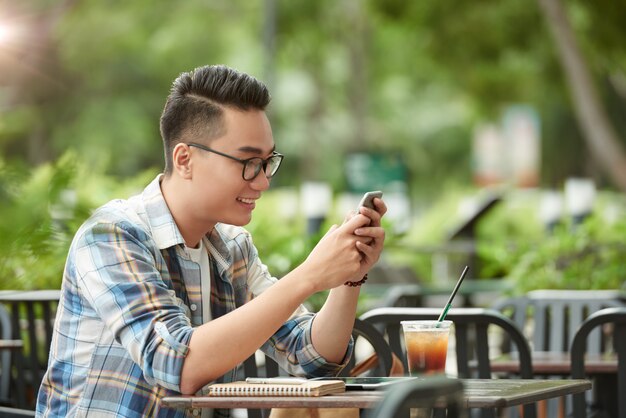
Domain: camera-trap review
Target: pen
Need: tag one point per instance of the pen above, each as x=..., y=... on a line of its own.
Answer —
x=276, y=380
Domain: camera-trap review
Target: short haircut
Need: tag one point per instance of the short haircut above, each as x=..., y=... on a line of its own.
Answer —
x=195, y=105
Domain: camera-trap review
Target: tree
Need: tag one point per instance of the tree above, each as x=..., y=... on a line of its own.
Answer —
x=600, y=135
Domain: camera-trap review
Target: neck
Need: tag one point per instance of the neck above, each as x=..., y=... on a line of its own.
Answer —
x=175, y=195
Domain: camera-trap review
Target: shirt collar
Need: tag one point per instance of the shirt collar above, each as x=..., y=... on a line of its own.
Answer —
x=164, y=230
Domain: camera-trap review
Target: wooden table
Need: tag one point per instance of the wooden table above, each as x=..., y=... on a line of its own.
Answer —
x=602, y=368
x=479, y=393
x=557, y=363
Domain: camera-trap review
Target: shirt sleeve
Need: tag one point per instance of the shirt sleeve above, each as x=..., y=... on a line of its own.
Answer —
x=292, y=346
x=119, y=278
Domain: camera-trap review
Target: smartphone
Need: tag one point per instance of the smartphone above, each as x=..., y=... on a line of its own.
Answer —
x=368, y=383
x=368, y=199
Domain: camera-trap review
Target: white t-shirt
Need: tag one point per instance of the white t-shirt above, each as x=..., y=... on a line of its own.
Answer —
x=200, y=255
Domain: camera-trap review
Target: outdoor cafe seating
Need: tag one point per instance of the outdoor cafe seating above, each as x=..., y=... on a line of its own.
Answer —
x=614, y=405
x=550, y=320
x=473, y=340
x=554, y=316
x=31, y=316
x=473, y=350
x=8, y=351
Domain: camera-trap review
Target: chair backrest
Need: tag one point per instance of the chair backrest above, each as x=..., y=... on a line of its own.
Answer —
x=366, y=332
x=617, y=317
x=465, y=320
x=422, y=393
x=472, y=339
x=5, y=355
x=555, y=315
x=38, y=309
x=15, y=413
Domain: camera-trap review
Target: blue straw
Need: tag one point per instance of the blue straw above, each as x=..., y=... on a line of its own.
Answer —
x=456, y=288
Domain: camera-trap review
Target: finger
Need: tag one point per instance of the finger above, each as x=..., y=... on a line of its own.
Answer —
x=355, y=222
x=371, y=214
x=380, y=206
x=370, y=231
x=364, y=240
x=367, y=250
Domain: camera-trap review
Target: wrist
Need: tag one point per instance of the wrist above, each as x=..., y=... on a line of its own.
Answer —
x=306, y=278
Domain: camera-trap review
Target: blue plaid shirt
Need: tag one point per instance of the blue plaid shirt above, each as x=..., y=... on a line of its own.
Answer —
x=130, y=299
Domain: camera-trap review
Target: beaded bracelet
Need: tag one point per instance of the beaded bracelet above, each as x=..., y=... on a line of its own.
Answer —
x=356, y=284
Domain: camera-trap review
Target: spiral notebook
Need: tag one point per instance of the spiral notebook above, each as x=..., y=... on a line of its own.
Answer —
x=307, y=388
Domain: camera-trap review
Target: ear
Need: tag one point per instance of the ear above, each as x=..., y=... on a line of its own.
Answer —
x=181, y=159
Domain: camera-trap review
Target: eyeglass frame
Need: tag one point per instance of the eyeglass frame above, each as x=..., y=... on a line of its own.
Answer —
x=245, y=161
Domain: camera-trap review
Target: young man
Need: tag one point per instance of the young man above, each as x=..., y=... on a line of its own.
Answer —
x=164, y=293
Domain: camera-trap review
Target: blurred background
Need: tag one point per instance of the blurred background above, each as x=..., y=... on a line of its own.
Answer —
x=495, y=129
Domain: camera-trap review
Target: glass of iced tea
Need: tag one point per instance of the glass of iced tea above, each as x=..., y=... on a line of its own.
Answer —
x=426, y=346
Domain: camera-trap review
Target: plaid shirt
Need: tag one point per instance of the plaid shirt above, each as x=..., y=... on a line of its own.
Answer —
x=131, y=297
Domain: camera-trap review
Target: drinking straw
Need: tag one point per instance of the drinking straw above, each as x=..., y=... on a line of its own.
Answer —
x=449, y=303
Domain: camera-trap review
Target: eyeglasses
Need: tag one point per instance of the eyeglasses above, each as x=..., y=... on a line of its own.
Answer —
x=251, y=166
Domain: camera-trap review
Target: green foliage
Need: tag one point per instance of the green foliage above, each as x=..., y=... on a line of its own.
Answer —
x=590, y=255
x=389, y=76
x=33, y=245
x=513, y=244
x=40, y=212
x=586, y=256
x=385, y=76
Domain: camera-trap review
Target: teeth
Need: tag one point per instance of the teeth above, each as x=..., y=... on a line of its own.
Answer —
x=248, y=201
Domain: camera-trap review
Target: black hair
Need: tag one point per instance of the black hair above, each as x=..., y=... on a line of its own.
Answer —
x=196, y=102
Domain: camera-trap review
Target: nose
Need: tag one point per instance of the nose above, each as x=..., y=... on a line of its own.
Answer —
x=260, y=182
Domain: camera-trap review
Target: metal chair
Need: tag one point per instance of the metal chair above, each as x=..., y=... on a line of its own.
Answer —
x=428, y=393
x=38, y=309
x=11, y=390
x=617, y=317
x=15, y=413
x=364, y=331
x=551, y=318
x=5, y=356
x=471, y=336
x=555, y=315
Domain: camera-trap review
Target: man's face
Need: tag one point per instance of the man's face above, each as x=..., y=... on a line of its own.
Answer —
x=220, y=191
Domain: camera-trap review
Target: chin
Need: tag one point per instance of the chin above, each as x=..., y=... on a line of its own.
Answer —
x=239, y=221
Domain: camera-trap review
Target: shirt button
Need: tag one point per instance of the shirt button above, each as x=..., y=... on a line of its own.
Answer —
x=193, y=307
x=195, y=412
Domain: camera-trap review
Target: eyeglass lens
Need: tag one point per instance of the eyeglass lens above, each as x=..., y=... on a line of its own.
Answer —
x=253, y=167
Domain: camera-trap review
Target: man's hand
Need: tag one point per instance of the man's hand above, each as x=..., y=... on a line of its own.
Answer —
x=332, y=325
x=374, y=235
x=337, y=258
